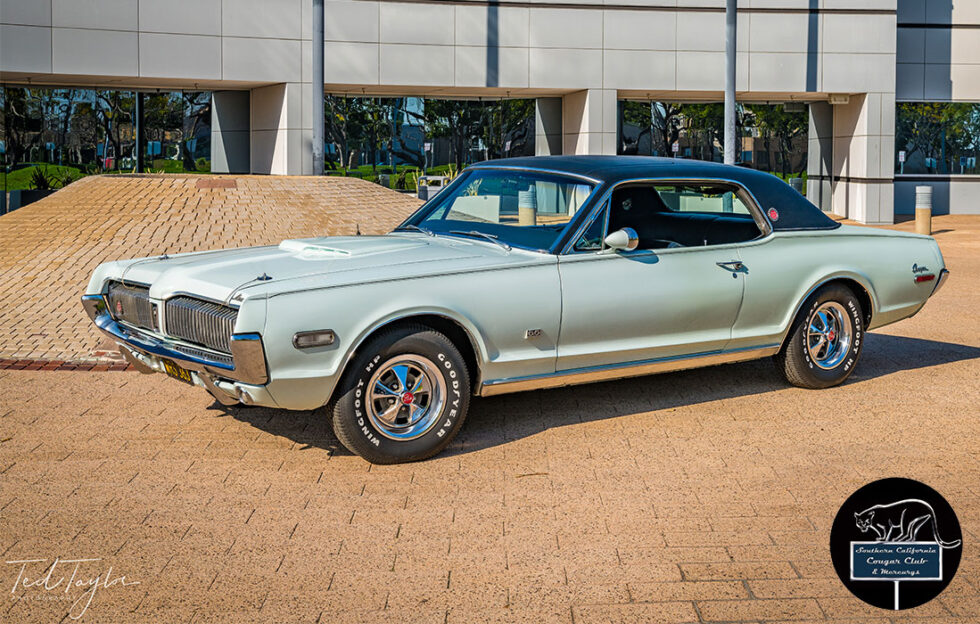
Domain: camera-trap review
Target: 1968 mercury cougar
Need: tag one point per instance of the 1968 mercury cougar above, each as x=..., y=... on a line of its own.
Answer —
x=522, y=274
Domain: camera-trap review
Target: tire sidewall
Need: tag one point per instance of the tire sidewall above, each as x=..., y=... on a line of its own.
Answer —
x=853, y=307
x=370, y=442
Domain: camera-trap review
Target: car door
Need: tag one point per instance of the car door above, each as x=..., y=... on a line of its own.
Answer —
x=634, y=306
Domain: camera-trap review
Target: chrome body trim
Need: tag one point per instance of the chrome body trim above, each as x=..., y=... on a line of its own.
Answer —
x=246, y=364
x=610, y=372
x=943, y=276
x=600, y=204
x=133, y=301
x=200, y=322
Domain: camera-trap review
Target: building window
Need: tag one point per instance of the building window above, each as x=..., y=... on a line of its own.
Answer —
x=63, y=134
x=771, y=137
x=937, y=138
x=373, y=137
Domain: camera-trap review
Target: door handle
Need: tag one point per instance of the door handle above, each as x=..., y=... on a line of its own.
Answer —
x=734, y=266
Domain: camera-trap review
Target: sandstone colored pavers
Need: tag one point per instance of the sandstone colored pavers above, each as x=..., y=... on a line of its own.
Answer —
x=49, y=249
x=698, y=496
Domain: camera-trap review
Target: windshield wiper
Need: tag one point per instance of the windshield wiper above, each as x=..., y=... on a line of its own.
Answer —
x=489, y=237
x=412, y=226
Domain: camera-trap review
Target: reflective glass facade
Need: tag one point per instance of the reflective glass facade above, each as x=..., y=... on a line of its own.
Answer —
x=51, y=136
x=772, y=137
x=937, y=138
x=367, y=136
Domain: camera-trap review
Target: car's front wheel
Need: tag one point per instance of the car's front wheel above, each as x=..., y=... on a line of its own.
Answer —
x=404, y=396
x=825, y=340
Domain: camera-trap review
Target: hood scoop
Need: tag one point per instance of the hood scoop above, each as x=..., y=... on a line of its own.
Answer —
x=337, y=247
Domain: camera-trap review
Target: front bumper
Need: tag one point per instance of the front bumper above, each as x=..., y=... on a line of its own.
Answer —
x=240, y=378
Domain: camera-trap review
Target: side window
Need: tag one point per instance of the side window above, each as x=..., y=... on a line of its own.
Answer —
x=702, y=198
x=591, y=239
x=666, y=215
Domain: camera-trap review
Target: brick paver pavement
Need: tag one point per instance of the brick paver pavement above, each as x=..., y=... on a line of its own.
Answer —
x=49, y=249
x=699, y=496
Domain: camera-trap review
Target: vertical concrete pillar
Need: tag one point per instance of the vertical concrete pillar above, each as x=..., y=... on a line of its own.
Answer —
x=589, y=122
x=230, y=132
x=547, y=126
x=820, y=156
x=863, y=153
x=281, y=134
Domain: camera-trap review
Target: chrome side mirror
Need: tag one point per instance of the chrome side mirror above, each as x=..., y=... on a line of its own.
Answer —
x=625, y=239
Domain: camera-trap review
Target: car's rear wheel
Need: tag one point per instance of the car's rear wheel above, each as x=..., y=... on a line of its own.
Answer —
x=825, y=339
x=404, y=396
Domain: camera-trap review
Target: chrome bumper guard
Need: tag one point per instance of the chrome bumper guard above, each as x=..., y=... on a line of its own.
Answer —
x=145, y=352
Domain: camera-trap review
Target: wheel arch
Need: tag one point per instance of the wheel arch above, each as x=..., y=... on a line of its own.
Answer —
x=859, y=285
x=460, y=332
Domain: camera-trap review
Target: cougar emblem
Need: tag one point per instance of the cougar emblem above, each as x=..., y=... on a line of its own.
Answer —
x=900, y=521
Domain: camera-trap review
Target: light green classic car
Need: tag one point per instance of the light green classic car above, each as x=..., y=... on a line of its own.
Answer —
x=522, y=274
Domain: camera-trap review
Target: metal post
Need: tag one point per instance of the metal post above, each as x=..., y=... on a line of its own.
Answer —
x=730, y=31
x=318, y=88
x=923, y=210
x=140, y=132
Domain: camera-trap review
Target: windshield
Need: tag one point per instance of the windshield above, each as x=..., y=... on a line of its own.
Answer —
x=521, y=208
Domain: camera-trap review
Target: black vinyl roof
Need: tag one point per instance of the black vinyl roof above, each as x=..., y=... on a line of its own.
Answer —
x=794, y=211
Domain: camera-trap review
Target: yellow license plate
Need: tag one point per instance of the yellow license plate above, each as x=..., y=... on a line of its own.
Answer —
x=181, y=374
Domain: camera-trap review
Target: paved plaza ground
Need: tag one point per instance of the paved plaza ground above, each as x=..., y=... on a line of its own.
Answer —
x=698, y=496
x=49, y=249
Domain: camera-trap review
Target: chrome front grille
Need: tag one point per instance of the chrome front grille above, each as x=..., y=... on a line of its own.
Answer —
x=201, y=322
x=131, y=304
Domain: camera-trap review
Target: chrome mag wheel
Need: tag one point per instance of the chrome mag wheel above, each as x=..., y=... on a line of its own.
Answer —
x=829, y=335
x=406, y=397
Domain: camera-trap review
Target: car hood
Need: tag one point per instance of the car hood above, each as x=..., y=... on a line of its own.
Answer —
x=234, y=274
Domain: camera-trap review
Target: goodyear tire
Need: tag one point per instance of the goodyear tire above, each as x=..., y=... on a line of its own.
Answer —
x=825, y=340
x=403, y=398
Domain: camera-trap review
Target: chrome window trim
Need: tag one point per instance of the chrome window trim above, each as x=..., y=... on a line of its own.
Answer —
x=587, y=205
x=557, y=172
x=758, y=215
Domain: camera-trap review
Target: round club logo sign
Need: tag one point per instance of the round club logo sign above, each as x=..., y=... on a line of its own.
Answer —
x=896, y=543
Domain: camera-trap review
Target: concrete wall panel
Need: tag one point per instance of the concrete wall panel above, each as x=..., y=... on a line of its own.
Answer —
x=180, y=56
x=351, y=20
x=25, y=12
x=25, y=48
x=99, y=52
x=103, y=14
x=473, y=25
x=190, y=17
x=274, y=60
x=474, y=68
x=565, y=28
x=559, y=68
x=280, y=19
x=350, y=63
x=425, y=24
x=639, y=30
x=416, y=65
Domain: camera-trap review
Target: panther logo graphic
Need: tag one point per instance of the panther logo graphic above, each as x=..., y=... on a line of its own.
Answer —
x=900, y=521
